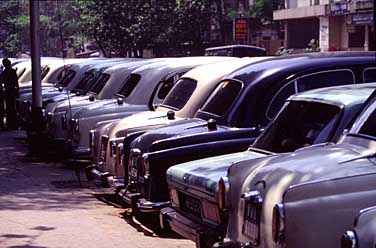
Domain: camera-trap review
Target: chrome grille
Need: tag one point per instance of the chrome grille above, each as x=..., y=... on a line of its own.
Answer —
x=252, y=216
x=103, y=148
x=135, y=156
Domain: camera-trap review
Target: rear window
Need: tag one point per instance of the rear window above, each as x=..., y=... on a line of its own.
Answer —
x=299, y=124
x=180, y=94
x=101, y=82
x=129, y=84
x=222, y=98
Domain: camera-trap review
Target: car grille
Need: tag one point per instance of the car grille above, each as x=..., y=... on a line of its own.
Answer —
x=103, y=148
x=251, y=220
x=190, y=204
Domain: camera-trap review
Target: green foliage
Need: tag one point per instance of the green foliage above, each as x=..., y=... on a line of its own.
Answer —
x=263, y=9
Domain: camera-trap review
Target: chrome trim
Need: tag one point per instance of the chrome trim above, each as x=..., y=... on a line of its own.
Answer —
x=113, y=148
x=226, y=200
x=348, y=240
x=145, y=162
x=279, y=228
x=91, y=139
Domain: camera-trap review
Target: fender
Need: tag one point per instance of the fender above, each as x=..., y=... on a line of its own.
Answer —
x=160, y=161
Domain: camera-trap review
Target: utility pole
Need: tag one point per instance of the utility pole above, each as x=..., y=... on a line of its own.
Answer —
x=36, y=109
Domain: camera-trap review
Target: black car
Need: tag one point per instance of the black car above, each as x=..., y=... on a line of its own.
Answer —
x=231, y=119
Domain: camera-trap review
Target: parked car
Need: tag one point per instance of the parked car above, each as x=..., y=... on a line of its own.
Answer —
x=83, y=86
x=308, y=118
x=242, y=105
x=160, y=77
x=363, y=234
x=101, y=94
x=307, y=198
x=182, y=102
x=236, y=51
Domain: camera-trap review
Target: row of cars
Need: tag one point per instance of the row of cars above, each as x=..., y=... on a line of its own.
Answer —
x=230, y=152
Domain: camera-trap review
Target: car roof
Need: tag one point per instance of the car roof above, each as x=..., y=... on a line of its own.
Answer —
x=234, y=46
x=344, y=95
x=293, y=64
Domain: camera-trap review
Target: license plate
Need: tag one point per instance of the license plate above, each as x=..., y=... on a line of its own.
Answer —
x=251, y=221
x=191, y=204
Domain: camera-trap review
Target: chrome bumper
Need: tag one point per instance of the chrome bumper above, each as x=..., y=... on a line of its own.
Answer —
x=128, y=198
x=203, y=236
x=96, y=175
x=150, y=207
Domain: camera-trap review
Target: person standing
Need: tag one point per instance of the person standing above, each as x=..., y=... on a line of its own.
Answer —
x=10, y=80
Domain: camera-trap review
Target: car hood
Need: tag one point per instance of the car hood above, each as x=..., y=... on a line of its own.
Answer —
x=173, y=129
x=203, y=174
x=302, y=166
x=79, y=102
x=105, y=107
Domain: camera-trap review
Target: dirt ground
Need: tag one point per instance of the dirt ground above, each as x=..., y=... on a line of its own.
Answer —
x=42, y=205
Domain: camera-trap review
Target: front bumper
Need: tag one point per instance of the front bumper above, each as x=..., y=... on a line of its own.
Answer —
x=203, y=236
x=98, y=176
x=151, y=207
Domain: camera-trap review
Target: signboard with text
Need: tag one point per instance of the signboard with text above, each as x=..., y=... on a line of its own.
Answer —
x=361, y=18
x=241, y=29
x=338, y=8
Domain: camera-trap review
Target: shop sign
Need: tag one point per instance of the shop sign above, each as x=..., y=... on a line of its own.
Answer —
x=241, y=29
x=361, y=18
x=338, y=8
x=363, y=5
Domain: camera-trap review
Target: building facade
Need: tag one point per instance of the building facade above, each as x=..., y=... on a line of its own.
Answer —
x=333, y=24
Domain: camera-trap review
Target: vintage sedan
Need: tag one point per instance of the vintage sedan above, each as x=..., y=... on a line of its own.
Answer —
x=307, y=198
x=105, y=88
x=363, y=234
x=182, y=102
x=86, y=82
x=307, y=118
x=242, y=104
x=148, y=84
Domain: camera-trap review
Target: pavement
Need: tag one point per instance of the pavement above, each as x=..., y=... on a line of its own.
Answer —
x=42, y=204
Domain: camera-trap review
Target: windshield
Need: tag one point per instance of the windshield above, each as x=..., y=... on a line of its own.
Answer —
x=222, y=98
x=128, y=85
x=299, y=124
x=67, y=78
x=180, y=94
x=84, y=81
x=100, y=83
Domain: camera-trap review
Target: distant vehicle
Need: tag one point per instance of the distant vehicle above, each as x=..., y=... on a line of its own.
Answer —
x=236, y=51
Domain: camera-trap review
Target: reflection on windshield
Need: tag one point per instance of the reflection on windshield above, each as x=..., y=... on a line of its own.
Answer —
x=299, y=124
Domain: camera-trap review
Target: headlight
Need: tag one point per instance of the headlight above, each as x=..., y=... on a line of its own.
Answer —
x=278, y=223
x=223, y=187
x=64, y=123
x=349, y=240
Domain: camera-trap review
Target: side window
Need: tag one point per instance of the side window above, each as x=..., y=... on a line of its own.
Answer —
x=165, y=85
x=180, y=94
x=222, y=98
x=279, y=99
x=325, y=79
x=128, y=85
x=369, y=75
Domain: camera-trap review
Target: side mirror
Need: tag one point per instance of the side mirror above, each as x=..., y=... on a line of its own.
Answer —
x=91, y=98
x=60, y=89
x=120, y=101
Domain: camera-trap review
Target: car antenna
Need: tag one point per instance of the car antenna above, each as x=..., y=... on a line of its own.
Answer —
x=76, y=167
